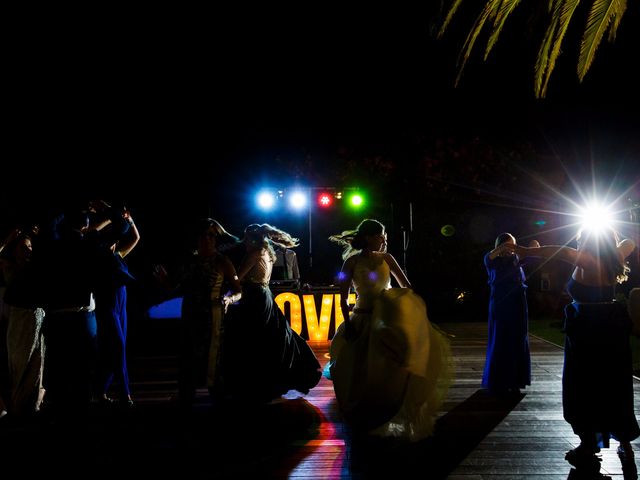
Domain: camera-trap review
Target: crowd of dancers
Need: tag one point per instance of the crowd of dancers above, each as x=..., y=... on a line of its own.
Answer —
x=65, y=308
x=65, y=304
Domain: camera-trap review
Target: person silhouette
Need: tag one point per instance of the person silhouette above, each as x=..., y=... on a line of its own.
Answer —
x=597, y=379
x=508, y=364
x=264, y=358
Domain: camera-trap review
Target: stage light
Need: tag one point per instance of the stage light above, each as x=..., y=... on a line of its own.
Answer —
x=266, y=200
x=596, y=217
x=325, y=199
x=297, y=199
x=356, y=200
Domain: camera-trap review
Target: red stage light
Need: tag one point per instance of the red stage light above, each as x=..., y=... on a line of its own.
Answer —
x=325, y=200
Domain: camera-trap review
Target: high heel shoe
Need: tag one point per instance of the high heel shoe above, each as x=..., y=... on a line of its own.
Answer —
x=584, y=459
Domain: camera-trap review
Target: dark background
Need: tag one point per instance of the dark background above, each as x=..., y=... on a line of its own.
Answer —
x=185, y=114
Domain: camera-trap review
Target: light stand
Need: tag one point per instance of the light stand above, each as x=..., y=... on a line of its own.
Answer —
x=309, y=204
x=405, y=239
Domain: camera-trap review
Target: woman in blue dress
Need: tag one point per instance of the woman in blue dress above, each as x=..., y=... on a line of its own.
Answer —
x=597, y=380
x=111, y=310
x=508, y=365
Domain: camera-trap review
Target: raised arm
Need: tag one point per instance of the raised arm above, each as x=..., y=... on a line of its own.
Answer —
x=557, y=252
x=397, y=272
x=125, y=247
x=10, y=238
x=99, y=207
x=625, y=247
x=500, y=250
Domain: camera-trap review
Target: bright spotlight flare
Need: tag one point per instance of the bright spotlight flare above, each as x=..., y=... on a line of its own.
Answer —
x=266, y=200
x=596, y=218
x=298, y=199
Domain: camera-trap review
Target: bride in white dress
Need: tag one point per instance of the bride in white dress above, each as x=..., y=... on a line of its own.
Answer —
x=390, y=367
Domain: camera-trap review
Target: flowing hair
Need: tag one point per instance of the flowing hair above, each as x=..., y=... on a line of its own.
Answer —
x=604, y=245
x=224, y=240
x=354, y=241
x=267, y=235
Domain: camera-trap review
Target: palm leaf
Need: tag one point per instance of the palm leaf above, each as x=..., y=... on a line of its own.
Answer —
x=616, y=23
x=450, y=14
x=489, y=11
x=603, y=15
x=543, y=54
x=503, y=12
x=600, y=16
x=564, y=12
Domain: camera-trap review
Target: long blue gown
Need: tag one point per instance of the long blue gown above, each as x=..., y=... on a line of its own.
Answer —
x=508, y=364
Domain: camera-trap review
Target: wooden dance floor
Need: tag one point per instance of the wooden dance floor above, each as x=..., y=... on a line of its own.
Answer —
x=477, y=436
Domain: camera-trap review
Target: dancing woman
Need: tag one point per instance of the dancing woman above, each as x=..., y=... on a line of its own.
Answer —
x=264, y=357
x=208, y=276
x=390, y=367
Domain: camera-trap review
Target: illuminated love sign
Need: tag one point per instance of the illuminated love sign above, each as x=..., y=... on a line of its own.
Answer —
x=318, y=329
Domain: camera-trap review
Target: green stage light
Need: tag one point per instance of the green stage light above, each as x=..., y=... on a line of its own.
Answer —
x=356, y=200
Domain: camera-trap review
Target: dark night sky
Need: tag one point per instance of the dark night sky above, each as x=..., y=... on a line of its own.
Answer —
x=138, y=93
x=259, y=92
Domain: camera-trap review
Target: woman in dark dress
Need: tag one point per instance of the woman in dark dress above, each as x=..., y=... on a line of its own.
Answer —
x=597, y=381
x=264, y=358
x=24, y=338
x=209, y=285
x=508, y=364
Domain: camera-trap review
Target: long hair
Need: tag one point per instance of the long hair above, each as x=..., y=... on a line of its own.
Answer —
x=15, y=248
x=267, y=235
x=604, y=246
x=224, y=240
x=354, y=241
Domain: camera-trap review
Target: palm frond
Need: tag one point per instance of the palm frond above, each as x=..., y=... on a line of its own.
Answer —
x=452, y=11
x=600, y=17
x=615, y=24
x=543, y=55
x=489, y=11
x=603, y=16
x=506, y=7
x=564, y=13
